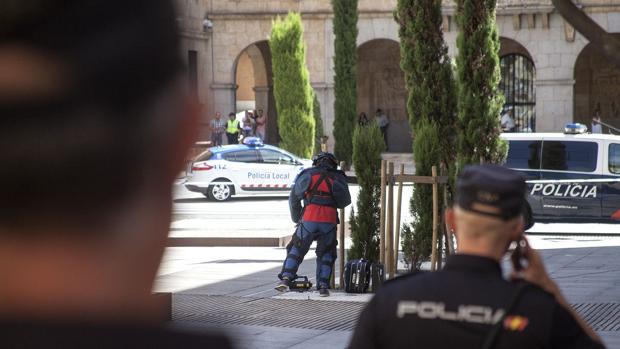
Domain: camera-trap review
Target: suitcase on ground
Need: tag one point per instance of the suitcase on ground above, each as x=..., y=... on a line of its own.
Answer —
x=356, y=276
x=377, y=276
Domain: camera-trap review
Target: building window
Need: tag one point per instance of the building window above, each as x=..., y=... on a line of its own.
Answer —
x=192, y=71
x=517, y=84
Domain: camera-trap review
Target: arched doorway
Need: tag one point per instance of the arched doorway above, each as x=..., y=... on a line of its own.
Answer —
x=517, y=84
x=253, y=78
x=381, y=85
x=597, y=88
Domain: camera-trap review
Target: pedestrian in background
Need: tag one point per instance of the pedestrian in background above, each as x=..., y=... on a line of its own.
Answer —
x=469, y=304
x=382, y=120
x=233, y=127
x=261, y=125
x=95, y=92
x=362, y=119
x=596, y=122
x=248, y=124
x=253, y=115
x=217, y=127
x=507, y=123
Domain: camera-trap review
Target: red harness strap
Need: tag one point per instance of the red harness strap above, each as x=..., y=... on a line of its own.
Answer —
x=315, y=212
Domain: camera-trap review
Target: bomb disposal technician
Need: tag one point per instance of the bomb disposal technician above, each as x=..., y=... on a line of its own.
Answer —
x=469, y=304
x=323, y=189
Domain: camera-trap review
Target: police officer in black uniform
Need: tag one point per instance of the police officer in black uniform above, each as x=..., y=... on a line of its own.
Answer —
x=469, y=304
x=95, y=124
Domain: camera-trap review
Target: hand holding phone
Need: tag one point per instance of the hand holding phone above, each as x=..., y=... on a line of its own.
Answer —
x=518, y=256
x=528, y=265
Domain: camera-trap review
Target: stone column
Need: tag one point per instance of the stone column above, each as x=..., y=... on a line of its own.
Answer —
x=325, y=95
x=554, y=104
x=223, y=101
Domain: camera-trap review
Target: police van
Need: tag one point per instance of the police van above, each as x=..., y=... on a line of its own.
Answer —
x=252, y=168
x=572, y=176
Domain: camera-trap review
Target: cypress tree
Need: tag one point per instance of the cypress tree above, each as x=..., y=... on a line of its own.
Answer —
x=291, y=86
x=431, y=109
x=478, y=76
x=367, y=147
x=345, y=79
x=318, y=122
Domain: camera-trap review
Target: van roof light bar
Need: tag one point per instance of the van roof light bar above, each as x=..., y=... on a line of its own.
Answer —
x=575, y=128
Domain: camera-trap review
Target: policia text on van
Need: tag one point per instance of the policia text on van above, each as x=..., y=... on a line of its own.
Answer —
x=572, y=176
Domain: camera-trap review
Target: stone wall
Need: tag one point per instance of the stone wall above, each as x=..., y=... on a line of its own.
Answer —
x=551, y=43
x=381, y=85
x=597, y=88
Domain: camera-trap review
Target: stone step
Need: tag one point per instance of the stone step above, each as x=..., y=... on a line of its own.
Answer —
x=400, y=158
x=397, y=159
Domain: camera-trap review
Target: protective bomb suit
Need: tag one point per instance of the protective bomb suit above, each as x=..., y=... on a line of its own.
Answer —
x=323, y=189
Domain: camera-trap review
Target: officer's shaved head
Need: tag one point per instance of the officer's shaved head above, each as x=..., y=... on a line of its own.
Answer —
x=473, y=225
x=488, y=211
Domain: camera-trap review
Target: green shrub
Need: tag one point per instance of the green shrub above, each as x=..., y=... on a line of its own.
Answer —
x=291, y=86
x=426, y=148
x=345, y=78
x=431, y=109
x=478, y=76
x=367, y=147
x=318, y=122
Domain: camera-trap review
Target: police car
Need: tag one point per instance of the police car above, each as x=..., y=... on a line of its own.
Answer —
x=572, y=176
x=252, y=168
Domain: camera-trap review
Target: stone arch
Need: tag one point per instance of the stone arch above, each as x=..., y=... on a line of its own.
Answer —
x=252, y=76
x=597, y=88
x=510, y=46
x=381, y=85
x=518, y=74
x=377, y=28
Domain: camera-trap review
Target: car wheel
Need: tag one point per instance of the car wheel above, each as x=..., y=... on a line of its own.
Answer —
x=220, y=191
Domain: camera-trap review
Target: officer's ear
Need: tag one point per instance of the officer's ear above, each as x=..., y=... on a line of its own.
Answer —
x=517, y=229
x=450, y=219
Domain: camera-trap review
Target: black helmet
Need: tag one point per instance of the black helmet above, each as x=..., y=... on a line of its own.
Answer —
x=326, y=160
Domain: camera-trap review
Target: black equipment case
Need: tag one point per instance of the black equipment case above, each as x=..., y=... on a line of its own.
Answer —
x=361, y=276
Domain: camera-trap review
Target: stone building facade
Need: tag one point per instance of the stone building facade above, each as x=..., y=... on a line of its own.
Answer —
x=550, y=74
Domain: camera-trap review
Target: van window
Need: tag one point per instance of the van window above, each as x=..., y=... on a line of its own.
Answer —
x=569, y=156
x=614, y=158
x=523, y=155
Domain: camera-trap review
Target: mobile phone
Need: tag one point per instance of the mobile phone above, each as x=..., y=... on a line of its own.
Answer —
x=517, y=256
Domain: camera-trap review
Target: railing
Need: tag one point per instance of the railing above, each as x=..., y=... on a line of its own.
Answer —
x=389, y=224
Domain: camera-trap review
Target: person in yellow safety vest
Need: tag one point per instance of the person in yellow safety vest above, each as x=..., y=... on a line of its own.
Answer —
x=233, y=126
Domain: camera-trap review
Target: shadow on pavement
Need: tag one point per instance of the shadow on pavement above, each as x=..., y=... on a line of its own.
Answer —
x=219, y=306
x=588, y=276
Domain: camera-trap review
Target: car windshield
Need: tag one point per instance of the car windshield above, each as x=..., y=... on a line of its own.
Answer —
x=205, y=155
x=275, y=157
x=295, y=158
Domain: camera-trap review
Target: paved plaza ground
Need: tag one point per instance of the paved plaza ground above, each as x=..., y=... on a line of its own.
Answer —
x=231, y=289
